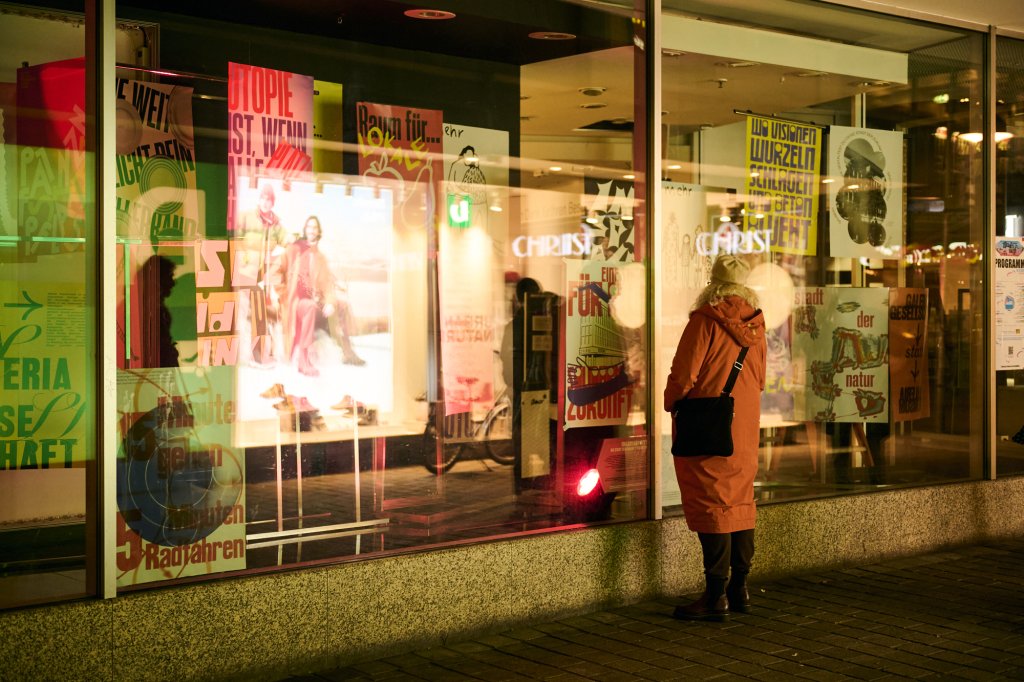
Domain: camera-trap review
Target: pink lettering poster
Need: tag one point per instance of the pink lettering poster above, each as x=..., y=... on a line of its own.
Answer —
x=270, y=126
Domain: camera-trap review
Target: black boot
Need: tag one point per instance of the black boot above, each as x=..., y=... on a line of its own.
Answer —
x=738, y=594
x=712, y=605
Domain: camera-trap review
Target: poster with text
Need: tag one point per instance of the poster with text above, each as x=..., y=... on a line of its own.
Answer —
x=840, y=342
x=8, y=159
x=866, y=192
x=598, y=386
x=180, y=481
x=403, y=145
x=51, y=158
x=270, y=128
x=783, y=162
x=470, y=271
x=45, y=346
x=400, y=150
x=908, y=353
x=1008, y=299
x=609, y=205
x=156, y=169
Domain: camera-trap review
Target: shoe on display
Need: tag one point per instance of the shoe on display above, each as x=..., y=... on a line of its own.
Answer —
x=275, y=391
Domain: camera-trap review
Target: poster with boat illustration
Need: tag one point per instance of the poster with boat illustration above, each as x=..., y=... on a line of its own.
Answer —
x=840, y=339
x=598, y=388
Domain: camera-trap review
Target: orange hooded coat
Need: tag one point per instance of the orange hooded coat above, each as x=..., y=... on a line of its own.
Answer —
x=718, y=492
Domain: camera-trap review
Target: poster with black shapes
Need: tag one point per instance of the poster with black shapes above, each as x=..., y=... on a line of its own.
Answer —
x=865, y=193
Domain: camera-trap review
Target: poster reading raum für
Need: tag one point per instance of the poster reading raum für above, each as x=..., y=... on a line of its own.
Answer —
x=783, y=161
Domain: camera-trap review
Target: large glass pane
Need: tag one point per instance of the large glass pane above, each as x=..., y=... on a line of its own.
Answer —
x=843, y=163
x=47, y=308
x=1008, y=287
x=382, y=279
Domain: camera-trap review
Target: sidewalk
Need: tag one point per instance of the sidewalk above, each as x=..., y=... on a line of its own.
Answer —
x=953, y=615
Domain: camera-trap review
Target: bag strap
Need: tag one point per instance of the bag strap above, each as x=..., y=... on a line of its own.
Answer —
x=736, y=367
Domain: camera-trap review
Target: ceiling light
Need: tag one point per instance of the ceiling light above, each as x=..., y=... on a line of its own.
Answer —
x=551, y=35
x=628, y=176
x=674, y=166
x=941, y=99
x=673, y=53
x=827, y=181
x=737, y=65
x=812, y=74
x=555, y=168
x=593, y=105
x=432, y=14
x=593, y=91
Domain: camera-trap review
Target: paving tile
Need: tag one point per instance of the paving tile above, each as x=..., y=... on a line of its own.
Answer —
x=882, y=621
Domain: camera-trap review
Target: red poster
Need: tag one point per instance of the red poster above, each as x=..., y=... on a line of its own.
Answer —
x=402, y=145
x=270, y=126
x=51, y=157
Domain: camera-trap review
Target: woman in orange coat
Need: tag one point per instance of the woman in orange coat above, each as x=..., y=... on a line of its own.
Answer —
x=718, y=492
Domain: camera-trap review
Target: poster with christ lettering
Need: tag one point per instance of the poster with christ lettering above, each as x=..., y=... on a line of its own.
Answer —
x=470, y=269
x=840, y=338
x=180, y=480
x=866, y=192
x=156, y=169
x=270, y=129
x=598, y=386
x=783, y=160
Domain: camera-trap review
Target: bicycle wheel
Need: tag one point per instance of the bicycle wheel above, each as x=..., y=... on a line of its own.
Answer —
x=498, y=434
x=449, y=453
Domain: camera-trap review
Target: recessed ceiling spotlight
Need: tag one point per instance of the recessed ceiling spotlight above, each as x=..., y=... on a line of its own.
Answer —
x=809, y=74
x=551, y=35
x=672, y=53
x=593, y=91
x=593, y=105
x=738, y=65
x=433, y=14
x=554, y=169
x=628, y=176
x=674, y=166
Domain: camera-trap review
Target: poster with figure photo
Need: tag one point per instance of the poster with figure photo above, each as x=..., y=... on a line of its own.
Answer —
x=328, y=308
x=866, y=192
x=840, y=340
x=609, y=205
x=470, y=269
x=156, y=169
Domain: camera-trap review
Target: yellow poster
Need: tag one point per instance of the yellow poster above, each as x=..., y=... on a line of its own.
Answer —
x=783, y=167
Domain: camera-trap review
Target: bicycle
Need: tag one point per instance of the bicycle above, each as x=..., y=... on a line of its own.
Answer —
x=493, y=433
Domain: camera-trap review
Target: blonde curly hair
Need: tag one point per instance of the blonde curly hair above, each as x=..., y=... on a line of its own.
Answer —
x=714, y=292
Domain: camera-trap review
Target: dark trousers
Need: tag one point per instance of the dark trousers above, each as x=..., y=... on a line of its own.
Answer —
x=724, y=551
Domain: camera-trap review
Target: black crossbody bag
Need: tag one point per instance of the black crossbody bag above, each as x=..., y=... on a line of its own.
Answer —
x=703, y=426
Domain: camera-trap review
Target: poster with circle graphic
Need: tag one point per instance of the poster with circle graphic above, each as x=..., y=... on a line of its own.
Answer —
x=156, y=168
x=865, y=193
x=180, y=482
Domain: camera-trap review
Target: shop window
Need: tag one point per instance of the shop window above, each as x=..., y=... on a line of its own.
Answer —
x=381, y=280
x=843, y=169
